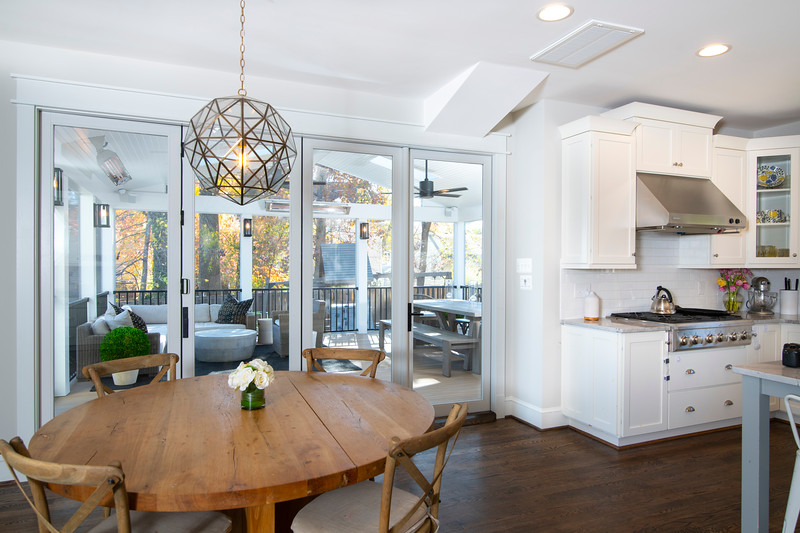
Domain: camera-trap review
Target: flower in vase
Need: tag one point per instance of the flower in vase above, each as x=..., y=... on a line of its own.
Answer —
x=733, y=279
x=256, y=372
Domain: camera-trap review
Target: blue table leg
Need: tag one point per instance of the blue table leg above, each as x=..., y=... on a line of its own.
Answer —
x=755, y=457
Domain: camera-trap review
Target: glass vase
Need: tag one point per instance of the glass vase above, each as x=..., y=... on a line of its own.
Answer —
x=732, y=301
x=253, y=398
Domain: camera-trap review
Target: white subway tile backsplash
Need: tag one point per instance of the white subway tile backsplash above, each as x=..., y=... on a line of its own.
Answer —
x=632, y=290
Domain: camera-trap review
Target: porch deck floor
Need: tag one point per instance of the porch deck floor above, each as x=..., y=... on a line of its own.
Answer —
x=428, y=378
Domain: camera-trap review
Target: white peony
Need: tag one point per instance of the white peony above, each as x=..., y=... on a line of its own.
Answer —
x=261, y=379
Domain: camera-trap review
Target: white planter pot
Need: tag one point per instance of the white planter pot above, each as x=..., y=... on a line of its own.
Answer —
x=125, y=378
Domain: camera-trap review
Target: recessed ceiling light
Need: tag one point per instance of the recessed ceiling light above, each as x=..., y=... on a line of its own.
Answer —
x=713, y=50
x=554, y=12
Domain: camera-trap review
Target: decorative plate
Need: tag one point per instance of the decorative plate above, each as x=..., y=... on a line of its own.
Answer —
x=770, y=176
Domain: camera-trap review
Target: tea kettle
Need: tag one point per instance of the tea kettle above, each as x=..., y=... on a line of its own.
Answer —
x=662, y=303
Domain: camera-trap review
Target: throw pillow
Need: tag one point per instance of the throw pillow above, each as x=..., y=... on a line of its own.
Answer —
x=138, y=322
x=121, y=320
x=100, y=327
x=233, y=311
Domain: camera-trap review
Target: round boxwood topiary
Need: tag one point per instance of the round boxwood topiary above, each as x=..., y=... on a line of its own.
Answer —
x=124, y=342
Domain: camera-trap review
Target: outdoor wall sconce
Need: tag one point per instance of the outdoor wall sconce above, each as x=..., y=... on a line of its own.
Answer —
x=247, y=227
x=58, y=186
x=102, y=216
x=363, y=230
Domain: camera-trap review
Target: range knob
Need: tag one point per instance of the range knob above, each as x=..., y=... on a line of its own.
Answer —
x=743, y=335
x=732, y=336
x=721, y=337
x=695, y=339
x=710, y=338
x=683, y=341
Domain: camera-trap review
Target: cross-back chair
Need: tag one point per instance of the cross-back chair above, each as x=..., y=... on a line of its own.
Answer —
x=371, y=506
x=167, y=362
x=109, y=483
x=793, y=503
x=312, y=356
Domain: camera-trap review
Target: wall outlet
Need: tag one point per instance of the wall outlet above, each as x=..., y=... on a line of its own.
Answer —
x=581, y=290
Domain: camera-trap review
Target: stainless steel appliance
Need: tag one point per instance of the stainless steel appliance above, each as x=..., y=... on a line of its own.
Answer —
x=760, y=300
x=697, y=329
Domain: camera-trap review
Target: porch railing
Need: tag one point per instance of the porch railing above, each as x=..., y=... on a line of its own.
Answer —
x=341, y=303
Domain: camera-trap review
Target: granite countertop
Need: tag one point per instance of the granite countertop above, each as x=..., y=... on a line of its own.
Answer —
x=606, y=323
x=614, y=325
x=772, y=370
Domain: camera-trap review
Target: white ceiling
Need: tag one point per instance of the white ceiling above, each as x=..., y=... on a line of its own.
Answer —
x=412, y=48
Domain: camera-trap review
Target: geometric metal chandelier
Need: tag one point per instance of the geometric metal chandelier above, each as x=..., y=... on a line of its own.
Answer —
x=240, y=148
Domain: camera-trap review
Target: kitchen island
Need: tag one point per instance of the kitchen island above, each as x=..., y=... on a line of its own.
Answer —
x=759, y=382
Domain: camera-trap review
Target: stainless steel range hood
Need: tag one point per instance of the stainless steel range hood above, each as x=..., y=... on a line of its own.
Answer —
x=685, y=206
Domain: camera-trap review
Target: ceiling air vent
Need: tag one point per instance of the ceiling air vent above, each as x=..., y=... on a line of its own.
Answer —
x=588, y=42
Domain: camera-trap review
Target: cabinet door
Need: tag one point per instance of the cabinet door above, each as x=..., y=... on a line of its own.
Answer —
x=589, y=382
x=644, y=394
x=613, y=201
x=671, y=148
x=694, y=150
x=730, y=175
x=773, y=239
x=765, y=345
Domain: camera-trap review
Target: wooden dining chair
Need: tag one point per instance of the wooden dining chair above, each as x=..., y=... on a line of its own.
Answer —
x=371, y=506
x=312, y=356
x=109, y=490
x=167, y=362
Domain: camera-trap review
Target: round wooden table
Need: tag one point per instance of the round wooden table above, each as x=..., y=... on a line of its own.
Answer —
x=187, y=445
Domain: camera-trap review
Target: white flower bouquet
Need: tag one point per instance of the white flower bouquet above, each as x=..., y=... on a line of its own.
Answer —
x=256, y=374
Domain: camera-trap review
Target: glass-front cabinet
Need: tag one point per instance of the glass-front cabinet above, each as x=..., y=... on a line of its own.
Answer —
x=774, y=209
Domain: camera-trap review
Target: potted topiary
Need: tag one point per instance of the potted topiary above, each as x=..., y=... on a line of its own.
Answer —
x=122, y=343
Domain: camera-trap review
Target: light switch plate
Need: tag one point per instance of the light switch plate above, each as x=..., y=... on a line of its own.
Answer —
x=524, y=265
x=526, y=282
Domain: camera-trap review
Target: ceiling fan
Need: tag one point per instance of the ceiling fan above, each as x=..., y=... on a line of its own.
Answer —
x=426, y=189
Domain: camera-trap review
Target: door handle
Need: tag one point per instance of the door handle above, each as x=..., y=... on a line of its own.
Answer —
x=411, y=313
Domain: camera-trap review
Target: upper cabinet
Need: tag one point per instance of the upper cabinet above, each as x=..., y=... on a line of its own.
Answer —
x=729, y=174
x=773, y=204
x=670, y=141
x=598, y=193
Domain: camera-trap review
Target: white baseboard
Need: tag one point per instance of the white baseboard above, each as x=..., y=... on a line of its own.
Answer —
x=534, y=415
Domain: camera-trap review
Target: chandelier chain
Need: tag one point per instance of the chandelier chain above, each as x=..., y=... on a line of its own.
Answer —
x=242, y=90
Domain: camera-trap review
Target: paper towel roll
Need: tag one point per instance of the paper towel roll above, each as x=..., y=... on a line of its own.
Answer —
x=789, y=302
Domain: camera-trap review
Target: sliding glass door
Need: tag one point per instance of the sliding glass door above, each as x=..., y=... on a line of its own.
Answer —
x=110, y=243
x=450, y=263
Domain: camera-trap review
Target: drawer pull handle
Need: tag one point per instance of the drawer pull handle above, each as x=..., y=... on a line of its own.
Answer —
x=728, y=402
x=728, y=366
x=690, y=409
x=689, y=371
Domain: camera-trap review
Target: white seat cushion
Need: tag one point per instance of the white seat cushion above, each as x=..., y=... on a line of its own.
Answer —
x=197, y=522
x=356, y=508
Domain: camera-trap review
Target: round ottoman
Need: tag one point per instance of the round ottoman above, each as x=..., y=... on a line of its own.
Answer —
x=224, y=344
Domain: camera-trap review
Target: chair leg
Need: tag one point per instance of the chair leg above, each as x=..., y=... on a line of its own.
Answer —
x=793, y=505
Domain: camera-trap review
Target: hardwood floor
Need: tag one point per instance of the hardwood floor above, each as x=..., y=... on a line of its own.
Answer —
x=508, y=477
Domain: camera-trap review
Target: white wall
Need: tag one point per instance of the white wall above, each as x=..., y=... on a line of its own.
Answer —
x=533, y=362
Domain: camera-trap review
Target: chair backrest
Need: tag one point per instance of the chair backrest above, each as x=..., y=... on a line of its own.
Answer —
x=109, y=483
x=167, y=362
x=787, y=399
x=311, y=355
x=402, y=453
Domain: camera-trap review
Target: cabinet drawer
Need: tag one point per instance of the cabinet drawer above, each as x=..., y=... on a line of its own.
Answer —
x=705, y=368
x=699, y=406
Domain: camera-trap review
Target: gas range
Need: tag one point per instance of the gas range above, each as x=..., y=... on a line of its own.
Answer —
x=697, y=329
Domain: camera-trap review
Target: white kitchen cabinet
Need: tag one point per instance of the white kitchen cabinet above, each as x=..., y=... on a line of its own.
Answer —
x=598, y=193
x=670, y=141
x=773, y=205
x=669, y=148
x=703, y=387
x=613, y=383
x=729, y=174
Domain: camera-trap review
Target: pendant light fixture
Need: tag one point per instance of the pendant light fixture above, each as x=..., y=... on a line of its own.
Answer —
x=240, y=148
